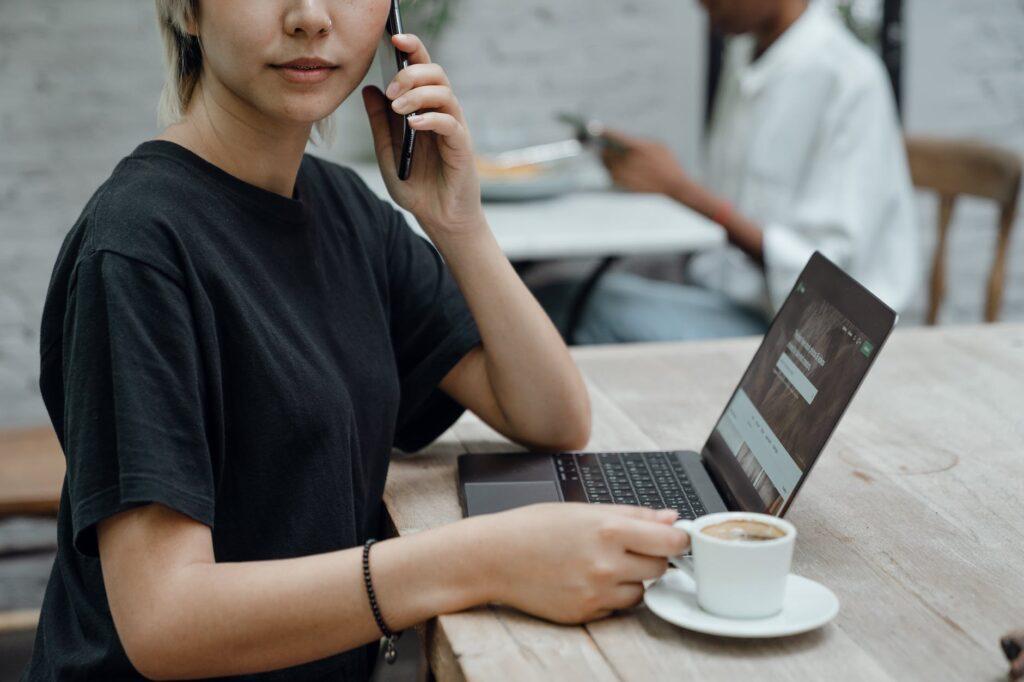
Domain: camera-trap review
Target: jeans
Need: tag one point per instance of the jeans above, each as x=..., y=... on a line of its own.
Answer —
x=626, y=308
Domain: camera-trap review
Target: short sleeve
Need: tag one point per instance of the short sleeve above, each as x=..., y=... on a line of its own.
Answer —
x=133, y=404
x=431, y=330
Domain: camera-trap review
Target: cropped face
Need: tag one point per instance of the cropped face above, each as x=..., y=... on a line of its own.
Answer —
x=733, y=17
x=291, y=60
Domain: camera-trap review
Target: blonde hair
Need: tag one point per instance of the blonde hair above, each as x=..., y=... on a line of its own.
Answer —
x=183, y=63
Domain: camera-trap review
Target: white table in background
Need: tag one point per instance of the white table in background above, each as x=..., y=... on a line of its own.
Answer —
x=588, y=224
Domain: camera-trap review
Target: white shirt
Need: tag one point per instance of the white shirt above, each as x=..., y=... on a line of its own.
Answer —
x=806, y=143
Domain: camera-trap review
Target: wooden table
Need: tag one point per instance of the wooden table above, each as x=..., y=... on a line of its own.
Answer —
x=914, y=516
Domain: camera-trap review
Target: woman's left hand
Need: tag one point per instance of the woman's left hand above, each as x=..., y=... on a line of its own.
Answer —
x=443, y=190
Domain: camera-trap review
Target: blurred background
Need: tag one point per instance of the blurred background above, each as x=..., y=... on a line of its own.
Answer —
x=79, y=83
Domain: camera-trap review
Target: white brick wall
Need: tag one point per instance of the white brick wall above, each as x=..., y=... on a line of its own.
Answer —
x=515, y=65
x=79, y=83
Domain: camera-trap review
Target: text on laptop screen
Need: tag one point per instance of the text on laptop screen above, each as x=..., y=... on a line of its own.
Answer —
x=789, y=401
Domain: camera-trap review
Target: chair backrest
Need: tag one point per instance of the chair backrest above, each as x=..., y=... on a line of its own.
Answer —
x=31, y=471
x=18, y=621
x=955, y=167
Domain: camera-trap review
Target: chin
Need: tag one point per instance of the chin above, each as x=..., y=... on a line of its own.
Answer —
x=307, y=113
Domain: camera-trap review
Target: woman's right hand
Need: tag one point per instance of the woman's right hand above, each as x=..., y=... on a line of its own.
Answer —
x=573, y=563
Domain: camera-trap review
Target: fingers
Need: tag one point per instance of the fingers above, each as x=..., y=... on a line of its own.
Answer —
x=643, y=513
x=612, y=158
x=646, y=531
x=412, y=46
x=626, y=596
x=652, y=539
x=423, y=85
x=616, y=157
x=617, y=146
x=620, y=138
x=445, y=125
x=426, y=86
x=439, y=97
x=417, y=75
x=639, y=567
x=377, y=110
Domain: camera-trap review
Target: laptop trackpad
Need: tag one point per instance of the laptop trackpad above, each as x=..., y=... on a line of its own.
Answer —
x=487, y=498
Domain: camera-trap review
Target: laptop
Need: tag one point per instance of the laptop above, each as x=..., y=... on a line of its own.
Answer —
x=806, y=371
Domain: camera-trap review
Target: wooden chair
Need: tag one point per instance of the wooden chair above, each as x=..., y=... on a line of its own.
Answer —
x=18, y=621
x=955, y=167
x=31, y=473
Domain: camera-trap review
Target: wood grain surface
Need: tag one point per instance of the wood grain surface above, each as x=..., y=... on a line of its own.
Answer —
x=913, y=516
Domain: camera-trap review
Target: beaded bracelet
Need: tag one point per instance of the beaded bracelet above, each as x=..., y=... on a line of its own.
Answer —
x=390, y=652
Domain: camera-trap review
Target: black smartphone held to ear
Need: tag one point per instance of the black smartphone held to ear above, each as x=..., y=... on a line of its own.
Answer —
x=392, y=60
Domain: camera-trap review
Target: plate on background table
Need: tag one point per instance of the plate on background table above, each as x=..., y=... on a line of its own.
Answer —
x=808, y=606
x=531, y=190
x=546, y=185
x=527, y=181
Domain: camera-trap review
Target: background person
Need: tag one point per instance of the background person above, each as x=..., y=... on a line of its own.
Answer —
x=804, y=153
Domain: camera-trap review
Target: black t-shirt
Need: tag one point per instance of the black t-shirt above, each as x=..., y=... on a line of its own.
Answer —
x=243, y=358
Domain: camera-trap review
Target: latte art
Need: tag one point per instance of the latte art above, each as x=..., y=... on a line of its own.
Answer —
x=744, y=531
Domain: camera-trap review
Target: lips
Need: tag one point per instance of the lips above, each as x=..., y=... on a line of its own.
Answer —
x=305, y=70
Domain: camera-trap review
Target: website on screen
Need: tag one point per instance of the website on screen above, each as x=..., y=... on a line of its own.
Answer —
x=790, y=399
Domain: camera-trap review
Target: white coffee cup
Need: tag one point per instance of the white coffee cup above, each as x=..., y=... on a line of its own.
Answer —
x=738, y=578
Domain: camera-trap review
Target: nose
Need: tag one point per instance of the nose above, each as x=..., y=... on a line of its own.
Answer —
x=308, y=16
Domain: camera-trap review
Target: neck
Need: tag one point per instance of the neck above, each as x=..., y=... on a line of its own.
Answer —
x=788, y=12
x=232, y=136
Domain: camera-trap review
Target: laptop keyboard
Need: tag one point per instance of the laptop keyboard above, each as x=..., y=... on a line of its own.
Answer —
x=651, y=479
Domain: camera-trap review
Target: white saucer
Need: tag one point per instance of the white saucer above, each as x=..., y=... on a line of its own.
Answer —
x=808, y=605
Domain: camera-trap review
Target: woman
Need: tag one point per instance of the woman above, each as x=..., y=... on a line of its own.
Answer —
x=236, y=334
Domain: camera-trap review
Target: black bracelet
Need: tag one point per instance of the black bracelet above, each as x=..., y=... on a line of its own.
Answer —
x=390, y=652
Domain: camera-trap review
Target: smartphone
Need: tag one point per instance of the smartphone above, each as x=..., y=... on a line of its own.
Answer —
x=392, y=60
x=590, y=132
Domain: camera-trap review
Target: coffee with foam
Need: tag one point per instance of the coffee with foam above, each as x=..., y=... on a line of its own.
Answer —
x=741, y=530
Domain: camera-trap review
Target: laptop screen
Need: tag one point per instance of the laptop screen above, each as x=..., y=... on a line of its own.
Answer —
x=805, y=373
